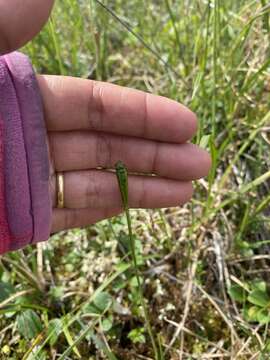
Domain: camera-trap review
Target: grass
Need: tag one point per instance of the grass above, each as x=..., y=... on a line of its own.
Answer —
x=205, y=265
x=122, y=176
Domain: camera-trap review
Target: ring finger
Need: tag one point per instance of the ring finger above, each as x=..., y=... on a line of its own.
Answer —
x=98, y=189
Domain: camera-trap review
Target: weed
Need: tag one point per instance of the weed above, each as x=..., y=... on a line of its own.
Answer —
x=202, y=262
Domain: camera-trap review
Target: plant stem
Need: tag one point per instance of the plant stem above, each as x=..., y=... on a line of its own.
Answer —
x=137, y=274
x=122, y=177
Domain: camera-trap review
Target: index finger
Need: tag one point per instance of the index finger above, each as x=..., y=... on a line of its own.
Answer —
x=79, y=104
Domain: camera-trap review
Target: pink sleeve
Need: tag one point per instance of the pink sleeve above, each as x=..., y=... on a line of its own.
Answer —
x=26, y=206
x=4, y=228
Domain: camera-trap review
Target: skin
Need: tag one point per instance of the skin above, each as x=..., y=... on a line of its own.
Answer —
x=93, y=124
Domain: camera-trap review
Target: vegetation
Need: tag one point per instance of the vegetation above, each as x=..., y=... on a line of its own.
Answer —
x=204, y=266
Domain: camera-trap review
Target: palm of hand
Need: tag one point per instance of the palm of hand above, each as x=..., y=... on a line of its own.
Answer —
x=92, y=125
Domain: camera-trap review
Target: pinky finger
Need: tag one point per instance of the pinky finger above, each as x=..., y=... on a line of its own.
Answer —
x=64, y=219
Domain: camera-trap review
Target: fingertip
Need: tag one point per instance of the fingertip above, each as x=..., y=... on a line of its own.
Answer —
x=20, y=21
x=187, y=192
x=206, y=162
x=185, y=122
x=191, y=121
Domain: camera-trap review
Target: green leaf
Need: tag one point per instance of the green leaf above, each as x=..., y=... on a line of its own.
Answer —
x=259, y=298
x=237, y=293
x=267, y=347
x=33, y=356
x=28, y=324
x=251, y=313
x=102, y=301
x=119, y=284
x=57, y=292
x=100, y=344
x=91, y=309
x=54, y=330
x=263, y=316
x=6, y=290
x=107, y=324
x=137, y=336
x=122, y=267
x=204, y=141
x=71, y=341
x=124, y=241
x=133, y=282
x=259, y=285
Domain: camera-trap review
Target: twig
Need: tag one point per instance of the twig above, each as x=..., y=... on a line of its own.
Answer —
x=246, y=342
x=40, y=264
x=224, y=317
x=15, y=296
x=192, y=273
x=189, y=332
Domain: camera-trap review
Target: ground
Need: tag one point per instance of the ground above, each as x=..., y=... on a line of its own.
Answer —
x=204, y=266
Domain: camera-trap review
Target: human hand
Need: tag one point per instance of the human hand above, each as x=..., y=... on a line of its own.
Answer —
x=92, y=125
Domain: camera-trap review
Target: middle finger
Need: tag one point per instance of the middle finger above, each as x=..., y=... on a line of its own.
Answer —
x=82, y=150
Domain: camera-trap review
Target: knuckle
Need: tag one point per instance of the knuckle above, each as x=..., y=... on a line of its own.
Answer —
x=95, y=107
x=142, y=195
x=92, y=191
x=103, y=151
x=145, y=114
x=155, y=158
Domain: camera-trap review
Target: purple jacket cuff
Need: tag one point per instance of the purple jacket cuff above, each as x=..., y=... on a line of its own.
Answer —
x=26, y=160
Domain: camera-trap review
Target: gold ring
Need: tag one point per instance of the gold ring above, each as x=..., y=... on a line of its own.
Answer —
x=60, y=190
